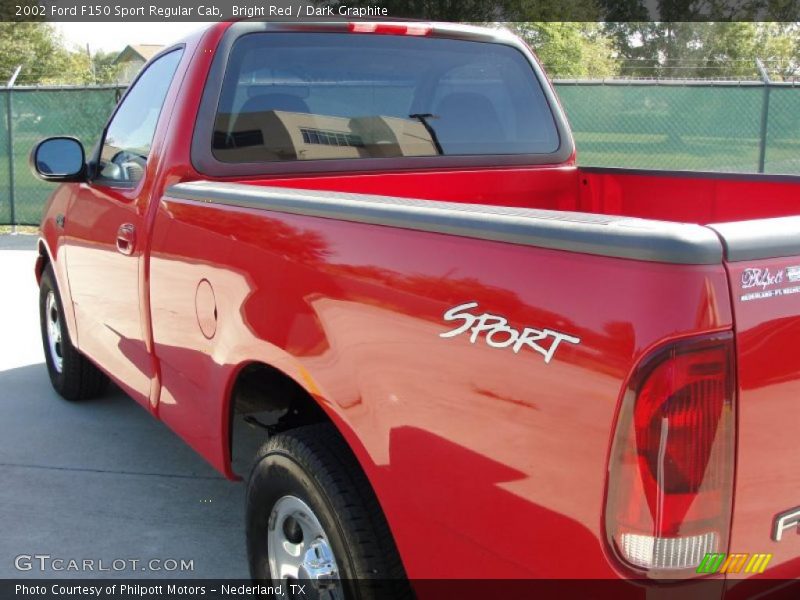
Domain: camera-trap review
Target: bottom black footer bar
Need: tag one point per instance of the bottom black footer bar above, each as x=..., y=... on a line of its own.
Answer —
x=422, y=589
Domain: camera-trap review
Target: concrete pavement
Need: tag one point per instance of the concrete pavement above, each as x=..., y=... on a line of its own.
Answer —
x=99, y=480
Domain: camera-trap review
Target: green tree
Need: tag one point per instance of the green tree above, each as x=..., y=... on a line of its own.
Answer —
x=35, y=46
x=706, y=50
x=46, y=60
x=570, y=49
x=105, y=69
x=729, y=49
x=72, y=67
x=725, y=47
x=778, y=46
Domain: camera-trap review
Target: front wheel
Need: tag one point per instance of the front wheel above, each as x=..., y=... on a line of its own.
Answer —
x=313, y=520
x=73, y=375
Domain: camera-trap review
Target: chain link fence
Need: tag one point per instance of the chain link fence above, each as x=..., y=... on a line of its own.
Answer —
x=693, y=125
x=30, y=114
x=742, y=126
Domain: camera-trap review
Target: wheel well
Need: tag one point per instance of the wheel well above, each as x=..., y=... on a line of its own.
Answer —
x=42, y=260
x=265, y=401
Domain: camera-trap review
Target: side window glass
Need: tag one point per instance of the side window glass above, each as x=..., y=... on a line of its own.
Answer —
x=123, y=155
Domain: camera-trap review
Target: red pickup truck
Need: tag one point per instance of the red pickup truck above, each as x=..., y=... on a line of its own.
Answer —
x=368, y=247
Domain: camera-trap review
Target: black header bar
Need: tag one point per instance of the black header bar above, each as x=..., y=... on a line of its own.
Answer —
x=441, y=10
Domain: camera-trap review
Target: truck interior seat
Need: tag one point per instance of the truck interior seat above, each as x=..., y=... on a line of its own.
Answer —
x=466, y=119
x=267, y=102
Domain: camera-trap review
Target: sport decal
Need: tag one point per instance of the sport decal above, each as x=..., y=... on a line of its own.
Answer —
x=499, y=334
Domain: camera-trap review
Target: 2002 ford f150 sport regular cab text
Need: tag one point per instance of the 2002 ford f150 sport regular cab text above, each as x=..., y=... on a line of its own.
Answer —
x=370, y=243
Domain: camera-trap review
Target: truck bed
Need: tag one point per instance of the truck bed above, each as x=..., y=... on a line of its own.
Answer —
x=679, y=196
x=336, y=282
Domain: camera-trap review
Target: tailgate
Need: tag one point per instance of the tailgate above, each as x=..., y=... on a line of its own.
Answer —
x=763, y=264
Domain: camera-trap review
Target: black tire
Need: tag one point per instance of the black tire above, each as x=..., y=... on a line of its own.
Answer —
x=314, y=464
x=78, y=378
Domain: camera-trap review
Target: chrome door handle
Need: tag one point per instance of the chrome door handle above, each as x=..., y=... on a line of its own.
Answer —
x=126, y=239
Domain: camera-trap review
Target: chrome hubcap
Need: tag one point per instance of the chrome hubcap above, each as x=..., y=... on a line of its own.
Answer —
x=299, y=551
x=54, y=332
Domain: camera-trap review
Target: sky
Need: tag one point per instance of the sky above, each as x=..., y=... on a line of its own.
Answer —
x=110, y=37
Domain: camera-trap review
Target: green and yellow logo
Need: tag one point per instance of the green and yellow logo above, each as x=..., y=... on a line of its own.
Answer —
x=734, y=563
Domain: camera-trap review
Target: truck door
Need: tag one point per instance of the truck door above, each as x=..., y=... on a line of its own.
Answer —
x=105, y=237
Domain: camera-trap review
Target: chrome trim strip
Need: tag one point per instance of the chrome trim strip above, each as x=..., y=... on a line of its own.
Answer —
x=602, y=235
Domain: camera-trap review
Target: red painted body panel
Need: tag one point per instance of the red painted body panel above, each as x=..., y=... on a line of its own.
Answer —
x=767, y=479
x=449, y=433
x=487, y=463
x=686, y=198
x=51, y=250
x=552, y=188
x=105, y=284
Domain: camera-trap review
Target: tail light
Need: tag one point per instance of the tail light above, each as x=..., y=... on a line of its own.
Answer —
x=670, y=473
x=391, y=28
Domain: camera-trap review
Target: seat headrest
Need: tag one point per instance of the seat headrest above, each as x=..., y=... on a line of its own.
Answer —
x=266, y=102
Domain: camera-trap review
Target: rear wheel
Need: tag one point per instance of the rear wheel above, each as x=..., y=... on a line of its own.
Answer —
x=73, y=375
x=313, y=520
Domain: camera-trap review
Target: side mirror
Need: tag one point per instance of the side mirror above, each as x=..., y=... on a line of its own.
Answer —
x=59, y=159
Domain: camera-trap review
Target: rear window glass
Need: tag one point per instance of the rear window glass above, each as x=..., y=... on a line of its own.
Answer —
x=316, y=96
